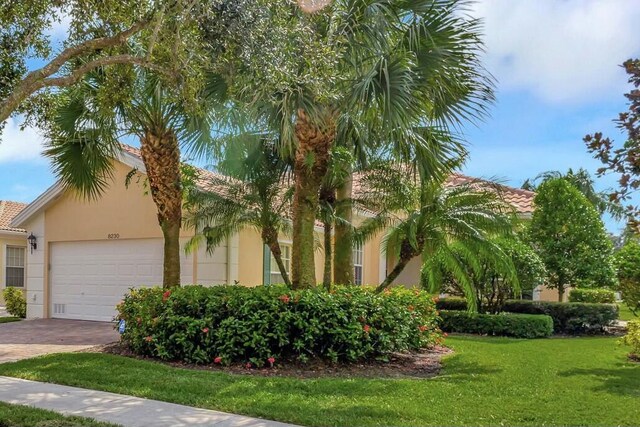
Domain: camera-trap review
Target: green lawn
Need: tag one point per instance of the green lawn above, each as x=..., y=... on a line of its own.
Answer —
x=489, y=381
x=24, y=416
x=9, y=319
x=625, y=313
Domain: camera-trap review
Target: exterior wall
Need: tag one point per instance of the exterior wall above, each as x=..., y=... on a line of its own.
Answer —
x=37, y=292
x=250, y=259
x=373, y=261
x=543, y=293
x=9, y=240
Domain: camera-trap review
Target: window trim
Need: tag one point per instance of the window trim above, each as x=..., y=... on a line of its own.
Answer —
x=273, y=266
x=7, y=266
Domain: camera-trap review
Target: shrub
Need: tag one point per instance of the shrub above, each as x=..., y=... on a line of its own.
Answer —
x=632, y=338
x=15, y=301
x=504, y=324
x=627, y=261
x=603, y=296
x=226, y=324
x=569, y=317
x=452, y=303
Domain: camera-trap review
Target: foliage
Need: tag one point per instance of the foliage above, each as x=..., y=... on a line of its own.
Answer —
x=632, y=338
x=488, y=374
x=581, y=179
x=494, y=282
x=230, y=324
x=627, y=262
x=27, y=416
x=603, y=296
x=623, y=159
x=569, y=318
x=503, y=324
x=15, y=301
x=570, y=238
x=452, y=303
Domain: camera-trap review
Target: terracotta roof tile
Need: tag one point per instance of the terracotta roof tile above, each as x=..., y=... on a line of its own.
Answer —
x=8, y=211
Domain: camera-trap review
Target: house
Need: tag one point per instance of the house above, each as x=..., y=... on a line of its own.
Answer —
x=13, y=247
x=89, y=253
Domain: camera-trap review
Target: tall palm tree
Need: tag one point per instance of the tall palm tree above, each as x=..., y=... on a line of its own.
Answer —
x=388, y=67
x=85, y=140
x=449, y=228
x=254, y=191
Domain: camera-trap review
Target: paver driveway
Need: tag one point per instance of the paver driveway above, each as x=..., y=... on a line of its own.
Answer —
x=29, y=338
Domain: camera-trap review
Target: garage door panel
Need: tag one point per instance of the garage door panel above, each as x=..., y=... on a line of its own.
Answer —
x=88, y=279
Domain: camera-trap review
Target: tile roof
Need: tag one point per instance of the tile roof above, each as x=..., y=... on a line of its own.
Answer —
x=521, y=200
x=8, y=211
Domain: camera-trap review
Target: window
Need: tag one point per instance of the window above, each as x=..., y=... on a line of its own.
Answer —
x=358, y=255
x=15, y=266
x=275, y=276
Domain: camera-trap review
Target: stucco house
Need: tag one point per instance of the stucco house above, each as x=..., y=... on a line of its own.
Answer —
x=89, y=253
x=13, y=247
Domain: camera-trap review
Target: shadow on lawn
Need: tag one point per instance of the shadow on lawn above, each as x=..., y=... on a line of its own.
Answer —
x=623, y=380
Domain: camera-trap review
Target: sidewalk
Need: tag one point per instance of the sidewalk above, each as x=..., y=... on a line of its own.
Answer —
x=126, y=411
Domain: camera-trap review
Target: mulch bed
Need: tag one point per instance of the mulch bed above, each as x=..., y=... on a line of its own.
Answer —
x=424, y=364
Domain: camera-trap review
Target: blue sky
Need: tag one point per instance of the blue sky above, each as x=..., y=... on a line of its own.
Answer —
x=558, y=78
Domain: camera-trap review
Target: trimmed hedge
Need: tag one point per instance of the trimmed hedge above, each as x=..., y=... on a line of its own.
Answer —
x=572, y=318
x=503, y=324
x=226, y=324
x=602, y=296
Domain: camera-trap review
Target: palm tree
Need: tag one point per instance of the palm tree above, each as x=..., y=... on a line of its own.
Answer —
x=384, y=68
x=85, y=140
x=253, y=192
x=450, y=228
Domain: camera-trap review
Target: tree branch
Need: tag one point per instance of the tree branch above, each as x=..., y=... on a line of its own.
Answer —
x=34, y=81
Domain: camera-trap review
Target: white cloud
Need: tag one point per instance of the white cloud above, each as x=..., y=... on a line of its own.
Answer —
x=562, y=51
x=19, y=145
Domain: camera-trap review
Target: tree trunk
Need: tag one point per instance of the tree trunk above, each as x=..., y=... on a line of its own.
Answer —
x=560, y=293
x=343, y=253
x=310, y=166
x=407, y=253
x=270, y=238
x=326, y=280
x=161, y=157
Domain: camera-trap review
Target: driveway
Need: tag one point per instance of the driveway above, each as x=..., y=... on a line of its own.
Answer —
x=29, y=338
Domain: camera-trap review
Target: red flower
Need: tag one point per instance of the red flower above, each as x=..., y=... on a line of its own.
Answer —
x=285, y=299
x=387, y=291
x=422, y=328
x=271, y=361
x=435, y=299
x=445, y=335
x=205, y=330
x=248, y=365
x=166, y=295
x=366, y=329
x=217, y=360
x=148, y=338
x=410, y=308
x=139, y=320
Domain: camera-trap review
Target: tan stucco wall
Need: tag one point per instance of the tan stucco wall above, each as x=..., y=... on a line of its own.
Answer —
x=544, y=293
x=250, y=258
x=8, y=240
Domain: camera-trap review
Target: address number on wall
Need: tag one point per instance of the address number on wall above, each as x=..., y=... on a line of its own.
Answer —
x=113, y=236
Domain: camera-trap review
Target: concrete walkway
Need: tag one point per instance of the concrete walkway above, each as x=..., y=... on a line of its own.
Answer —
x=126, y=411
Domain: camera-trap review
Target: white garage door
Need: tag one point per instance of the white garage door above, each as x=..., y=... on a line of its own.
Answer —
x=88, y=279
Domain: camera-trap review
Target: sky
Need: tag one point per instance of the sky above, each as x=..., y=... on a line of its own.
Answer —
x=558, y=78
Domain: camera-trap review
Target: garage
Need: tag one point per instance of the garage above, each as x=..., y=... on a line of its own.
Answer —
x=88, y=279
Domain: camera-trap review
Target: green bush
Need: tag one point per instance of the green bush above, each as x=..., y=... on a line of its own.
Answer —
x=572, y=318
x=627, y=262
x=503, y=324
x=632, y=338
x=602, y=296
x=226, y=324
x=15, y=301
x=568, y=318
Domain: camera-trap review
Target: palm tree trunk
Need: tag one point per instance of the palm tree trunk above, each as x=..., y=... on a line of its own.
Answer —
x=343, y=253
x=310, y=166
x=326, y=280
x=407, y=253
x=270, y=238
x=161, y=157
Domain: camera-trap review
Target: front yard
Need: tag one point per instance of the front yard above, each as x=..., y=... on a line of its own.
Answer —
x=488, y=381
x=24, y=416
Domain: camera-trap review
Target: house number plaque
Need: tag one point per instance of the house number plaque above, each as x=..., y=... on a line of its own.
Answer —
x=113, y=236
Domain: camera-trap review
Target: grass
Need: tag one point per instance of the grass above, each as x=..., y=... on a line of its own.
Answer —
x=488, y=381
x=9, y=319
x=25, y=416
x=625, y=313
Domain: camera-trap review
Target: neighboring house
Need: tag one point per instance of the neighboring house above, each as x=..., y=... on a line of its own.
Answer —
x=13, y=247
x=89, y=253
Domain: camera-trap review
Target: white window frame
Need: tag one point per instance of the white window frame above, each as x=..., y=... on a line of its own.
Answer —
x=286, y=250
x=358, y=263
x=10, y=264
